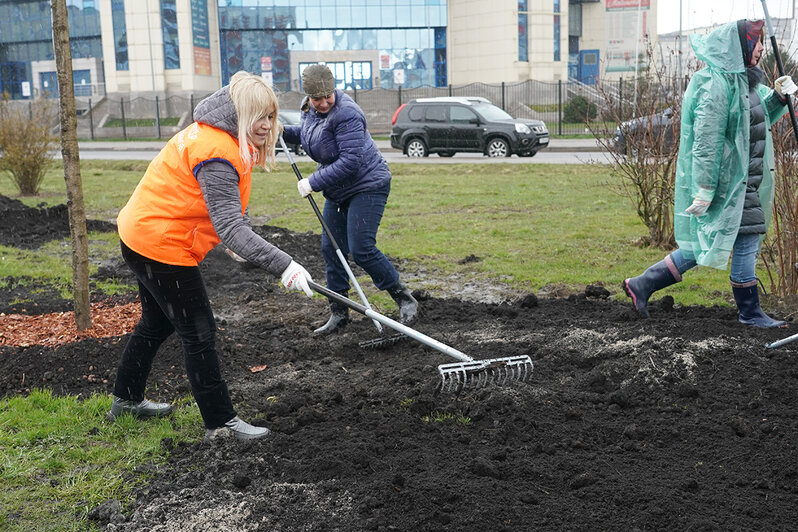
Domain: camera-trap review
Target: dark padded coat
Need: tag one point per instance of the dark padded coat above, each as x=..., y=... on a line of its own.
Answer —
x=753, y=218
x=348, y=160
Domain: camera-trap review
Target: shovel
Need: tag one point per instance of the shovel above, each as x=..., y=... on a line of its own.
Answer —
x=455, y=375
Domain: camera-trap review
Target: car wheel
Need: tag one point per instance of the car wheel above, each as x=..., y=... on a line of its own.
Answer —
x=298, y=150
x=446, y=154
x=416, y=148
x=498, y=148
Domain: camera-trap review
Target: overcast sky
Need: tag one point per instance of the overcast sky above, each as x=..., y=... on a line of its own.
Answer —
x=698, y=13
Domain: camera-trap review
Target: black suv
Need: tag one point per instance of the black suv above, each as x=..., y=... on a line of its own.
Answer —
x=448, y=125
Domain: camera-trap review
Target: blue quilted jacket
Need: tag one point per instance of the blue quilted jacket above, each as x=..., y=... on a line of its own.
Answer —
x=348, y=160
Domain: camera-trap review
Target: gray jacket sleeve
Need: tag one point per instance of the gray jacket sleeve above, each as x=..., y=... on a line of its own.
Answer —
x=219, y=184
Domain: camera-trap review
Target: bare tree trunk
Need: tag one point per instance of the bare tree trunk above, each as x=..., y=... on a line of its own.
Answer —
x=71, y=159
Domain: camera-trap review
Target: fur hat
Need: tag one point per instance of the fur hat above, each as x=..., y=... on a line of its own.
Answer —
x=318, y=81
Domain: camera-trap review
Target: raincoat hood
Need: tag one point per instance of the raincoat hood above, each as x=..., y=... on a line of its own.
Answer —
x=720, y=49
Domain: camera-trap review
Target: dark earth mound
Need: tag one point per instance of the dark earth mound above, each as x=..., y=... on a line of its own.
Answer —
x=684, y=421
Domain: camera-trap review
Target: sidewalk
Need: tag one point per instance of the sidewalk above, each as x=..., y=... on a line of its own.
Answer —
x=555, y=145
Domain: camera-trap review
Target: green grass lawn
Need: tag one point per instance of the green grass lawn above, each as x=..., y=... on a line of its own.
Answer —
x=534, y=226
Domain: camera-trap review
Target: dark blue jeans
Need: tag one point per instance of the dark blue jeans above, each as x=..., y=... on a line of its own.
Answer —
x=173, y=298
x=353, y=224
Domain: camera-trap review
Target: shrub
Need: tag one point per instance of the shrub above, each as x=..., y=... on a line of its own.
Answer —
x=645, y=161
x=579, y=110
x=26, y=143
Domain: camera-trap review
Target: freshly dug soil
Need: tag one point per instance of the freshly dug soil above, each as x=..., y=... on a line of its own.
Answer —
x=684, y=421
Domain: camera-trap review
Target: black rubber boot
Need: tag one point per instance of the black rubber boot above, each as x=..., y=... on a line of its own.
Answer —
x=408, y=306
x=640, y=288
x=747, y=299
x=339, y=317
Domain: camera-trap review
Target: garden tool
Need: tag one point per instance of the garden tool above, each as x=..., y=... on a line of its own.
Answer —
x=777, y=54
x=774, y=45
x=455, y=375
x=338, y=252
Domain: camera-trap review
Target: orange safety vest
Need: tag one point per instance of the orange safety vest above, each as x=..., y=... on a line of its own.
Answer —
x=166, y=218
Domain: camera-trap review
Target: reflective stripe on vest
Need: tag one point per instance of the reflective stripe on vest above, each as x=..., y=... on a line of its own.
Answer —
x=166, y=218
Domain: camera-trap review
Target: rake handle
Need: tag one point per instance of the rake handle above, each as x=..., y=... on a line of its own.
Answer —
x=780, y=65
x=395, y=325
x=312, y=201
x=327, y=230
x=783, y=341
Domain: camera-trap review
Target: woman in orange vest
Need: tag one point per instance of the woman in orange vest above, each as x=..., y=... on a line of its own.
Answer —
x=194, y=195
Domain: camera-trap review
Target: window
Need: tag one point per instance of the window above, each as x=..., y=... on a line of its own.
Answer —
x=171, y=46
x=409, y=36
x=120, y=34
x=523, y=46
x=557, y=30
x=416, y=113
x=437, y=113
x=461, y=115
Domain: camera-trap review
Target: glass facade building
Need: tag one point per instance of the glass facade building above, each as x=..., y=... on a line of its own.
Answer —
x=402, y=42
x=23, y=43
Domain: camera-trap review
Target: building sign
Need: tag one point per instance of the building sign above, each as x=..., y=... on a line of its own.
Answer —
x=628, y=4
x=627, y=26
x=266, y=64
x=201, y=35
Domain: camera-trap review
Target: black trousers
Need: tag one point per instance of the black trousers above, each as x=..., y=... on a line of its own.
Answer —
x=173, y=298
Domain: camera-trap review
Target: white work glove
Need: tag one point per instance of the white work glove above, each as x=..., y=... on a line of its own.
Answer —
x=698, y=208
x=303, y=185
x=785, y=85
x=235, y=256
x=295, y=277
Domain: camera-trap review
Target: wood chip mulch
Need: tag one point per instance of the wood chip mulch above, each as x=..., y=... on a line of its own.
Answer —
x=59, y=328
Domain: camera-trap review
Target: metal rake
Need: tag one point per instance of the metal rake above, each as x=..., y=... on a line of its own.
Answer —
x=456, y=375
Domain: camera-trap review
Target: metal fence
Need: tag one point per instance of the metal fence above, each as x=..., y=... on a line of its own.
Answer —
x=131, y=118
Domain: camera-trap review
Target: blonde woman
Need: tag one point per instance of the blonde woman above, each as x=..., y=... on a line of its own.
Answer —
x=194, y=195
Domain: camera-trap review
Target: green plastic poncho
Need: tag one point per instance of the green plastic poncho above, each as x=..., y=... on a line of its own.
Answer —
x=714, y=149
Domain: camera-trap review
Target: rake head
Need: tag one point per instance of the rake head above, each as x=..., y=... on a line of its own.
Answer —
x=383, y=341
x=458, y=375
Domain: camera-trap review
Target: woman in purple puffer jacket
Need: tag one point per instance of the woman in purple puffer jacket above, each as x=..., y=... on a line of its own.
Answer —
x=355, y=181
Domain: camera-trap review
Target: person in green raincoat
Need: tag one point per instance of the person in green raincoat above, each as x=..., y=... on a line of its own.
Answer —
x=724, y=173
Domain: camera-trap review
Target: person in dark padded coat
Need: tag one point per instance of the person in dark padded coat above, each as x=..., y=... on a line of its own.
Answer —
x=355, y=181
x=724, y=173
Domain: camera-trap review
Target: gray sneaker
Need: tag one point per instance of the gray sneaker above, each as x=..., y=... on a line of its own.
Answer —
x=238, y=428
x=141, y=409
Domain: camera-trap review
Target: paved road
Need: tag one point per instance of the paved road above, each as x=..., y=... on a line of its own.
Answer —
x=560, y=151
